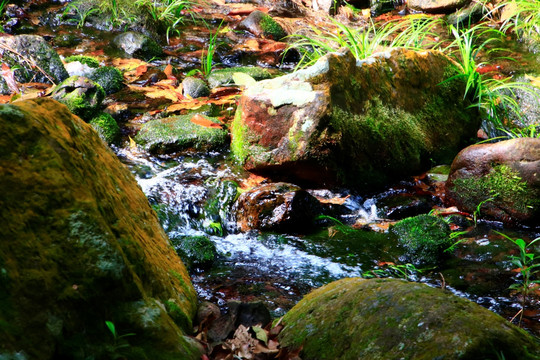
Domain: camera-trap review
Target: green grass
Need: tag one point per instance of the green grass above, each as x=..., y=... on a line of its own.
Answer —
x=523, y=16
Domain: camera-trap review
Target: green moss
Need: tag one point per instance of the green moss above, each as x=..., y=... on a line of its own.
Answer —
x=425, y=237
x=271, y=29
x=502, y=185
x=395, y=319
x=82, y=96
x=106, y=127
x=110, y=79
x=195, y=251
x=179, y=133
x=222, y=77
x=87, y=60
x=239, y=147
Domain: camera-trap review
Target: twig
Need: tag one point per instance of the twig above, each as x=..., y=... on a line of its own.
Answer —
x=30, y=62
x=519, y=312
x=443, y=284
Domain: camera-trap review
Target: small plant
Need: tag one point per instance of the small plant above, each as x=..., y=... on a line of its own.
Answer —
x=523, y=18
x=82, y=11
x=407, y=272
x=207, y=57
x=119, y=341
x=528, y=264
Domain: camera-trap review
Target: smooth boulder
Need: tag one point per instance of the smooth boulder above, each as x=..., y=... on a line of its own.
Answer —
x=392, y=115
x=82, y=246
x=394, y=319
x=437, y=6
x=500, y=181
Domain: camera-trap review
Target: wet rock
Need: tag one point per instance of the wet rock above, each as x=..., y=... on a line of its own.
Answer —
x=137, y=45
x=23, y=51
x=178, y=133
x=86, y=60
x=327, y=6
x=437, y=6
x=502, y=178
x=110, y=79
x=403, y=205
x=106, y=127
x=529, y=103
x=195, y=251
x=470, y=14
x=195, y=87
x=396, y=319
x=261, y=24
x=379, y=7
x=207, y=313
x=223, y=77
x=76, y=68
x=388, y=118
x=424, y=237
x=81, y=95
x=276, y=207
x=81, y=246
x=67, y=40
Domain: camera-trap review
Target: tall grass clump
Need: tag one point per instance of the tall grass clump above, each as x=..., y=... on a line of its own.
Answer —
x=170, y=12
x=522, y=16
x=417, y=32
x=495, y=98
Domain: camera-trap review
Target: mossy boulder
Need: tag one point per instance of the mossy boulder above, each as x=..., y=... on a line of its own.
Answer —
x=106, y=127
x=195, y=251
x=501, y=180
x=82, y=96
x=178, y=133
x=81, y=246
x=110, y=79
x=86, y=60
x=394, y=319
x=224, y=77
x=261, y=24
x=137, y=45
x=424, y=237
x=25, y=51
x=389, y=117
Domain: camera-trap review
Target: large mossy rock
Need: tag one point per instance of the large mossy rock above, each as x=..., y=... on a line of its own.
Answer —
x=33, y=58
x=394, y=319
x=178, y=133
x=81, y=246
x=360, y=123
x=502, y=180
x=82, y=96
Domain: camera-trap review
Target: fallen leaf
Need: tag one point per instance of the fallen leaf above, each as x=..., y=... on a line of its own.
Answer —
x=202, y=121
x=141, y=69
x=260, y=334
x=334, y=200
x=252, y=181
x=535, y=80
x=9, y=77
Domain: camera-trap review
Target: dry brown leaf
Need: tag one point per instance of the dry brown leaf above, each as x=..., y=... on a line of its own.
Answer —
x=252, y=181
x=168, y=70
x=334, y=200
x=202, y=121
x=141, y=69
x=128, y=64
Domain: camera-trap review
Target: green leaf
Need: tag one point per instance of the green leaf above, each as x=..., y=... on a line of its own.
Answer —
x=111, y=327
x=260, y=333
x=521, y=243
x=242, y=79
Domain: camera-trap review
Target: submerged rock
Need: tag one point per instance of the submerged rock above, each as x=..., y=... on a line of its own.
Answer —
x=276, y=207
x=137, y=45
x=179, y=133
x=195, y=251
x=502, y=180
x=389, y=117
x=395, y=319
x=81, y=95
x=36, y=61
x=437, y=6
x=81, y=246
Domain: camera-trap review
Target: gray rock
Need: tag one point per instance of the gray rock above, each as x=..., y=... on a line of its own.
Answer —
x=261, y=24
x=195, y=87
x=36, y=60
x=437, y=6
x=137, y=45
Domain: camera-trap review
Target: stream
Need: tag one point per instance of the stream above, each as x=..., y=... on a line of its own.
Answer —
x=279, y=269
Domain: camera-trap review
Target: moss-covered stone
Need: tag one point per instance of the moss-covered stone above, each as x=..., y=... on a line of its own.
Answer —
x=393, y=319
x=106, y=127
x=34, y=59
x=195, y=251
x=179, y=133
x=110, y=79
x=425, y=237
x=271, y=29
x=137, y=45
x=81, y=246
x=81, y=95
x=83, y=59
x=223, y=77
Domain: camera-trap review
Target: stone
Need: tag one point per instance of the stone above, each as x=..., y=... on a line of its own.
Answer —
x=81, y=246
x=224, y=77
x=195, y=87
x=110, y=78
x=394, y=319
x=437, y=6
x=276, y=207
x=137, y=45
x=261, y=24
x=389, y=117
x=470, y=14
x=195, y=251
x=379, y=7
x=178, y=133
x=25, y=51
x=424, y=238
x=81, y=95
x=106, y=127
x=501, y=179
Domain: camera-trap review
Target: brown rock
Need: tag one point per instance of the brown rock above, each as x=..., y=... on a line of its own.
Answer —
x=437, y=6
